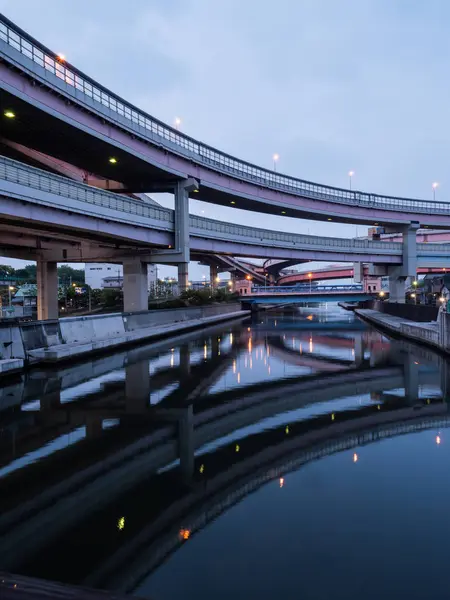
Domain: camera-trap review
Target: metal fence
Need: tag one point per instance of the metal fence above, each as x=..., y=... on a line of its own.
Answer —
x=18, y=45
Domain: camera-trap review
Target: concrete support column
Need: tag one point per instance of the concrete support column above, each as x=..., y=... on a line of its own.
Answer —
x=186, y=443
x=135, y=285
x=47, y=290
x=357, y=272
x=409, y=266
x=137, y=387
x=182, y=233
x=183, y=277
x=396, y=288
x=213, y=274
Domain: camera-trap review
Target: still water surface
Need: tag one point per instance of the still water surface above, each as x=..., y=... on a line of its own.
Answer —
x=302, y=455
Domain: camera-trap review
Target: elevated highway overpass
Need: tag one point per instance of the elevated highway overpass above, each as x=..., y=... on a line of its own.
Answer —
x=119, y=147
x=150, y=154
x=46, y=217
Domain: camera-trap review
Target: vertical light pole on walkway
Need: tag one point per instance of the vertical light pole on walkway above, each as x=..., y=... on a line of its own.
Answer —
x=177, y=123
x=350, y=175
x=276, y=158
x=434, y=186
x=10, y=289
x=310, y=282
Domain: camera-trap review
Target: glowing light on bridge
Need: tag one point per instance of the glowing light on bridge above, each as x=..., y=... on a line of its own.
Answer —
x=113, y=160
x=355, y=457
x=286, y=431
x=202, y=468
x=434, y=187
x=237, y=448
x=177, y=123
x=438, y=439
x=9, y=114
x=276, y=158
x=350, y=175
x=281, y=482
x=184, y=534
x=61, y=57
x=121, y=523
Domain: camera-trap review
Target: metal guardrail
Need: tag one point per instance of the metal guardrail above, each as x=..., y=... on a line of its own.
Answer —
x=285, y=289
x=96, y=98
x=16, y=172
x=57, y=185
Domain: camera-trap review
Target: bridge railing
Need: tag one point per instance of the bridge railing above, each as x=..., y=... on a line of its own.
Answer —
x=32, y=177
x=16, y=172
x=86, y=91
x=306, y=289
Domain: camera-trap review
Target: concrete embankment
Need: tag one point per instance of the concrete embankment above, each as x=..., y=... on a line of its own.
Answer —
x=22, y=344
x=434, y=333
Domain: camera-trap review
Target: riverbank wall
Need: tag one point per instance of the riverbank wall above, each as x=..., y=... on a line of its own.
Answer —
x=432, y=333
x=52, y=341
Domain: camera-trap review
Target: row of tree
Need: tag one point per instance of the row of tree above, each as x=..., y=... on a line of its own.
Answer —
x=28, y=272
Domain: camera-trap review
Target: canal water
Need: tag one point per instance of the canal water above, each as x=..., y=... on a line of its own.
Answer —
x=299, y=454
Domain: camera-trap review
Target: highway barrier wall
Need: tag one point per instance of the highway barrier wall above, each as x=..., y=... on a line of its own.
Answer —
x=73, y=336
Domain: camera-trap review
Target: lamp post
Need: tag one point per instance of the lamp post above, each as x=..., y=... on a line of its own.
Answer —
x=275, y=160
x=434, y=186
x=10, y=289
x=177, y=123
x=350, y=175
x=310, y=282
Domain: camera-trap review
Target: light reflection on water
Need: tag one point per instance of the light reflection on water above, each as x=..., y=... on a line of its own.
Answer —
x=192, y=437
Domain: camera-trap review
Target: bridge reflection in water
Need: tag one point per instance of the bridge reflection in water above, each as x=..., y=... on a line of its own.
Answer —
x=108, y=467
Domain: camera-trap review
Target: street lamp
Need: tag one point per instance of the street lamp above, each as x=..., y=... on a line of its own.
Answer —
x=434, y=185
x=310, y=282
x=350, y=175
x=10, y=289
x=275, y=160
x=177, y=123
x=414, y=296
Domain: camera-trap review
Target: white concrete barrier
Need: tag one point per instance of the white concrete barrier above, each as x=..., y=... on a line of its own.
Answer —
x=89, y=329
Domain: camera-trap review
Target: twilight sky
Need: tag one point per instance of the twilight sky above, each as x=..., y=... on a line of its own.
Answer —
x=330, y=86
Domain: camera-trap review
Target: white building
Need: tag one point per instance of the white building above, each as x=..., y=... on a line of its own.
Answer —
x=96, y=273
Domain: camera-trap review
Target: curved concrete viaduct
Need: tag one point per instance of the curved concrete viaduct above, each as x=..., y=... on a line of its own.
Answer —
x=154, y=153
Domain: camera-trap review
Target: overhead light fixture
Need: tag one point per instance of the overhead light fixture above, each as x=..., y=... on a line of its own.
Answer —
x=9, y=114
x=113, y=160
x=283, y=212
x=61, y=57
x=232, y=202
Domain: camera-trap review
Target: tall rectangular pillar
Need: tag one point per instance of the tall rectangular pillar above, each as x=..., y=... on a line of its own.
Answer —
x=213, y=275
x=135, y=285
x=409, y=266
x=183, y=277
x=47, y=290
x=182, y=233
x=396, y=288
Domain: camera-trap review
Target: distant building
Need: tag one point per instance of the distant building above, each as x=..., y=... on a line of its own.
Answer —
x=102, y=275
